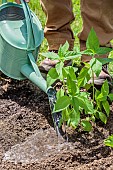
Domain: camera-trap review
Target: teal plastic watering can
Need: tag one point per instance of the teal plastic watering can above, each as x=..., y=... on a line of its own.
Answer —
x=21, y=35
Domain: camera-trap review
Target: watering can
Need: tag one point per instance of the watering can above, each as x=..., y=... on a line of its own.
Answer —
x=21, y=35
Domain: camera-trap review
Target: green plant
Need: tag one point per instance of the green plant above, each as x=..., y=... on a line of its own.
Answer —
x=78, y=106
x=109, y=141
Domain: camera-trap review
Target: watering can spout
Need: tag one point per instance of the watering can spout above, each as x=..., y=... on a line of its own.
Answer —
x=39, y=81
x=32, y=72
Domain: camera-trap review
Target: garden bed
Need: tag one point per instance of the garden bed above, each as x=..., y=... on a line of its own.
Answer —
x=28, y=140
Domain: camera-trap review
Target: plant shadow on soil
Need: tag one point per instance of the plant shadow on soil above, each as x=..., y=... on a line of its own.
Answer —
x=24, y=109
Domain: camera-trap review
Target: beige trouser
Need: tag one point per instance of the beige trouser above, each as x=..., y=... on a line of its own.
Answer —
x=59, y=16
x=97, y=14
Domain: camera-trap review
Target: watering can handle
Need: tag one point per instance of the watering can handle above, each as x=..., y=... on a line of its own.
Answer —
x=4, y=1
x=29, y=23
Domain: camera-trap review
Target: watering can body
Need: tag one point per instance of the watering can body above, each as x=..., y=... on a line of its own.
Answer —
x=20, y=34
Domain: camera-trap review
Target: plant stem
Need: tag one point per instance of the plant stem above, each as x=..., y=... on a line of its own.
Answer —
x=93, y=86
x=64, y=85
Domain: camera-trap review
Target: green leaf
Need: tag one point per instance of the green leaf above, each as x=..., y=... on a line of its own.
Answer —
x=50, y=81
x=89, y=109
x=97, y=92
x=101, y=97
x=74, y=118
x=110, y=96
x=65, y=114
x=92, y=41
x=71, y=86
x=84, y=103
x=98, y=101
x=51, y=55
x=102, y=117
x=86, y=125
x=87, y=86
x=62, y=103
x=60, y=93
x=109, y=141
x=73, y=57
x=69, y=70
x=71, y=53
x=105, y=88
x=106, y=107
x=52, y=76
x=75, y=104
x=53, y=73
x=80, y=102
x=59, y=67
x=63, y=49
x=96, y=66
x=103, y=50
x=72, y=71
x=83, y=77
x=93, y=118
x=105, y=60
x=88, y=52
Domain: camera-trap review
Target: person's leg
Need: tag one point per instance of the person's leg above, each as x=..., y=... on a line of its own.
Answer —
x=59, y=16
x=57, y=29
x=97, y=14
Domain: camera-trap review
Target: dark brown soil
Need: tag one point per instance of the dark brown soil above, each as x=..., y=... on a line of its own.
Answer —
x=28, y=140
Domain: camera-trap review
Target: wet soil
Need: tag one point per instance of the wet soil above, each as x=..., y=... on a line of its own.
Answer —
x=28, y=140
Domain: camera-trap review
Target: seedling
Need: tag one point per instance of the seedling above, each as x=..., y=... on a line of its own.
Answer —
x=80, y=107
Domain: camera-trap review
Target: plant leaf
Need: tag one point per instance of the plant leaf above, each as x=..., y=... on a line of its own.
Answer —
x=71, y=85
x=72, y=71
x=73, y=57
x=88, y=52
x=92, y=41
x=83, y=77
x=101, y=97
x=103, y=50
x=74, y=118
x=96, y=66
x=62, y=103
x=75, y=104
x=69, y=70
x=63, y=49
x=106, y=107
x=60, y=93
x=84, y=103
x=109, y=141
x=105, y=88
x=86, y=125
x=102, y=117
x=71, y=53
x=59, y=67
x=110, y=96
x=65, y=114
x=51, y=55
x=52, y=76
x=97, y=92
x=105, y=60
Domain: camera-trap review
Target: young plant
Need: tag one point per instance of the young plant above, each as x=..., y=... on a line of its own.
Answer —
x=109, y=141
x=78, y=106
